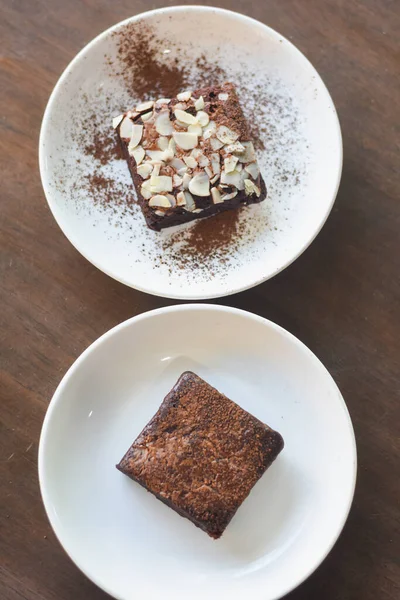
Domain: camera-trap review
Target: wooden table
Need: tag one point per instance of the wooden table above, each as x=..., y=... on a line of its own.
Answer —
x=342, y=297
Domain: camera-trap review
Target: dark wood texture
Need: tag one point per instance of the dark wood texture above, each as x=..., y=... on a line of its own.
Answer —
x=342, y=297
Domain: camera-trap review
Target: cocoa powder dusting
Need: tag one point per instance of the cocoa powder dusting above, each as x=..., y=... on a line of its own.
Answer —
x=144, y=67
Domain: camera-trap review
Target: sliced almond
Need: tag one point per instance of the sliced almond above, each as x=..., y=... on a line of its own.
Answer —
x=190, y=161
x=196, y=129
x=190, y=203
x=176, y=180
x=251, y=188
x=223, y=96
x=171, y=199
x=132, y=114
x=147, y=116
x=196, y=152
x=186, y=180
x=177, y=163
x=185, y=139
x=203, y=160
x=199, y=103
x=230, y=163
x=209, y=130
x=116, y=121
x=200, y=185
x=216, y=196
x=146, y=190
x=180, y=199
x=226, y=135
x=214, y=179
x=156, y=168
x=163, y=124
x=253, y=169
x=184, y=96
x=216, y=144
x=138, y=154
x=136, y=137
x=249, y=154
x=160, y=183
x=185, y=117
x=209, y=172
x=203, y=118
x=182, y=171
x=163, y=101
x=169, y=153
x=145, y=106
x=162, y=142
x=157, y=155
x=125, y=129
x=239, y=166
x=159, y=201
x=216, y=167
x=229, y=196
x=236, y=147
x=160, y=213
x=232, y=178
x=144, y=170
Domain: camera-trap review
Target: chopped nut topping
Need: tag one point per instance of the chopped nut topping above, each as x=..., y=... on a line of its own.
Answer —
x=251, y=188
x=160, y=183
x=196, y=129
x=116, y=121
x=144, y=107
x=216, y=196
x=125, y=129
x=253, y=169
x=226, y=135
x=137, y=153
x=185, y=117
x=216, y=144
x=163, y=124
x=230, y=163
x=209, y=130
x=184, y=96
x=185, y=140
x=179, y=150
x=190, y=161
x=203, y=118
x=144, y=170
x=180, y=199
x=249, y=154
x=160, y=201
x=137, y=131
x=229, y=196
x=199, y=103
x=200, y=185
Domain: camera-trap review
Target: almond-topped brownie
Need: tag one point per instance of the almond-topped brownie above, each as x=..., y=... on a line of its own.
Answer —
x=201, y=454
x=190, y=156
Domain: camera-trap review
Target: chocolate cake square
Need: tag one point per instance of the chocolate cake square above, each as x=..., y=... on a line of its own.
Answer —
x=201, y=454
x=190, y=156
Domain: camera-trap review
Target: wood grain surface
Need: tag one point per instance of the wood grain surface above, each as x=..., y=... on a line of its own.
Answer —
x=342, y=297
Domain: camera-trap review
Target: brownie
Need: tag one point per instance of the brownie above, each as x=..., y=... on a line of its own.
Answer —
x=190, y=156
x=201, y=454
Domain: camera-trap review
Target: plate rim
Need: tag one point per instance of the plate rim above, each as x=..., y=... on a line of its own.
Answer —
x=148, y=315
x=92, y=259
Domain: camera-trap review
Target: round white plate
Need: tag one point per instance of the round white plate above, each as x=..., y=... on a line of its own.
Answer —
x=286, y=103
x=132, y=545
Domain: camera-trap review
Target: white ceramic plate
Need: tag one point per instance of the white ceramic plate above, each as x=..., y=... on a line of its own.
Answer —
x=132, y=545
x=284, y=99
